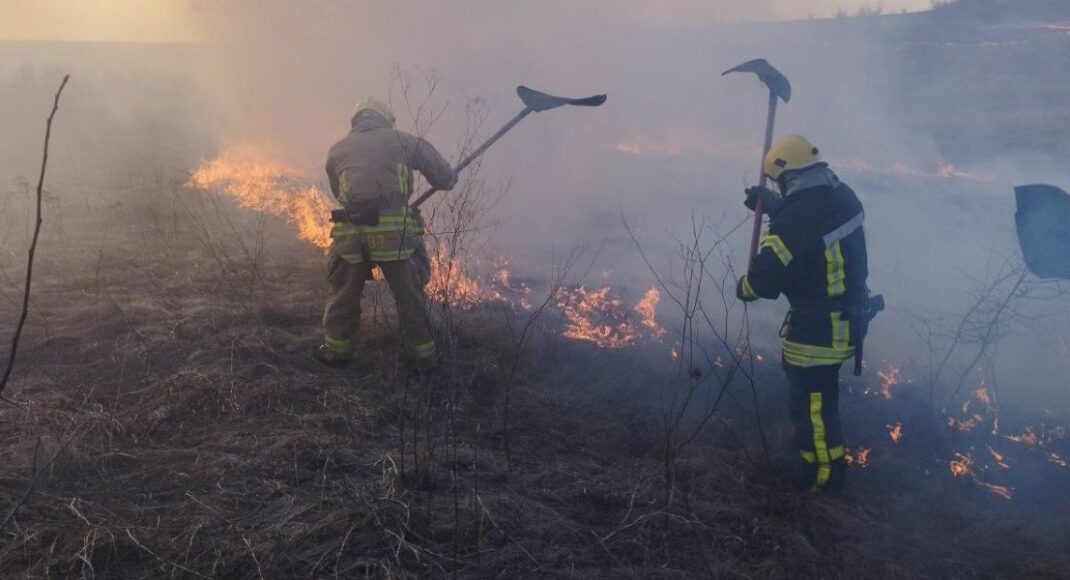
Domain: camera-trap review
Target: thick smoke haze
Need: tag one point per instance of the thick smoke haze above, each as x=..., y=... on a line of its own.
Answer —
x=932, y=123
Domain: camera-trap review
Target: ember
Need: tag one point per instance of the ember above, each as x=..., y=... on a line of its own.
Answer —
x=890, y=377
x=895, y=432
x=998, y=457
x=999, y=490
x=1057, y=459
x=858, y=457
x=961, y=465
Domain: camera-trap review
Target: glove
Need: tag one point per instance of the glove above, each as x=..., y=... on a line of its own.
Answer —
x=742, y=292
x=772, y=203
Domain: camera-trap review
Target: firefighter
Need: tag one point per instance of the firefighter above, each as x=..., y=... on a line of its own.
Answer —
x=814, y=253
x=371, y=175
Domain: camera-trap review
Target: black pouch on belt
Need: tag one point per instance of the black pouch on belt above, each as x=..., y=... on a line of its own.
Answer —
x=358, y=214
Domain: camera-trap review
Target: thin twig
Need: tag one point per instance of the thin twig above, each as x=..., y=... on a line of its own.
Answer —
x=33, y=244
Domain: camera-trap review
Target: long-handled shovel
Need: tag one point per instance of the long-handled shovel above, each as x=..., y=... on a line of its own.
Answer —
x=534, y=102
x=779, y=88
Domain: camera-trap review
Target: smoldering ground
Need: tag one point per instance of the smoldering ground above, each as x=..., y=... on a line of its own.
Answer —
x=144, y=280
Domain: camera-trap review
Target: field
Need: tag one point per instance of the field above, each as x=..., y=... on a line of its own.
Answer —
x=168, y=421
x=166, y=418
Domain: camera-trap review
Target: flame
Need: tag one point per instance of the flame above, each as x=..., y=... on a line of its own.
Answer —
x=961, y=465
x=255, y=181
x=857, y=457
x=270, y=187
x=965, y=426
x=943, y=170
x=451, y=283
x=602, y=318
x=1029, y=438
x=971, y=421
x=1057, y=459
x=889, y=376
x=686, y=141
x=647, y=309
x=895, y=432
x=596, y=317
x=999, y=490
x=998, y=457
x=984, y=397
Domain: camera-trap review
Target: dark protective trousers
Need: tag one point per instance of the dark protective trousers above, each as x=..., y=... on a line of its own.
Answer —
x=814, y=406
x=341, y=318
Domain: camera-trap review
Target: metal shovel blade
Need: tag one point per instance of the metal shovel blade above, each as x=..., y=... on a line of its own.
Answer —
x=538, y=102
x=1043, y=221
x=776, y=81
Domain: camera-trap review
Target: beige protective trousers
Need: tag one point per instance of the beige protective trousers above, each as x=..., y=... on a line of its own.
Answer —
x=341, y=318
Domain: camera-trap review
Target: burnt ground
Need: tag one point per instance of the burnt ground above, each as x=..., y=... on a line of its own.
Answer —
x=177, y=427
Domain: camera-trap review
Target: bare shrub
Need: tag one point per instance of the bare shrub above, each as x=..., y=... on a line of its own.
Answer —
x=712, y=333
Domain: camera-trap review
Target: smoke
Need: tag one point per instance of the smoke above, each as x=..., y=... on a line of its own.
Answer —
x=932, y=121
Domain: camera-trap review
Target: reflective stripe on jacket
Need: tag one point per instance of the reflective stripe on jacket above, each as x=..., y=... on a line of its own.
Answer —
x=814, y=253
x=375, y=164
x=399, y=233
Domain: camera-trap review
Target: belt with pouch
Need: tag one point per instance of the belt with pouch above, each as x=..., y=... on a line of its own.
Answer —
x=358, y=214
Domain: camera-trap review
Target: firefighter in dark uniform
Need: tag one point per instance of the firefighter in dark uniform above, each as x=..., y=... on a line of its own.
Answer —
x=814, y=253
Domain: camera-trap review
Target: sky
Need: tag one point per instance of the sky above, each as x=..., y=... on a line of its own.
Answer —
x=174, y=20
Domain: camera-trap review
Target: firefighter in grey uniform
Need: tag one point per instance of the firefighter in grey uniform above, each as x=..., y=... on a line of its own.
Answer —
x=371, y=176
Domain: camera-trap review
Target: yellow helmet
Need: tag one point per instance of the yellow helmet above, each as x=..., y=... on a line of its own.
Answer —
x=790, y=153
x=376, y=106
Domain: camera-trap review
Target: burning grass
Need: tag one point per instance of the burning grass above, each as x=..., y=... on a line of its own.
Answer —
x=205, y=442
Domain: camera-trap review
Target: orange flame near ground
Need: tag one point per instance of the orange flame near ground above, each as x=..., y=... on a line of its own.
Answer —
x=269, y=187
x=999, y=490
x=964, y=425
x=1057, y=459
x=858, y=457
x=943, y=170
x=889, y=376
x=603, y=319
x=998, y=457
x=687, y=142
x=984, y=397
x=895, y=432
x=1029, y=438
x=596, y=317
x=451, y=283
x=256, y=182
x=648, y=310
x=962, y=465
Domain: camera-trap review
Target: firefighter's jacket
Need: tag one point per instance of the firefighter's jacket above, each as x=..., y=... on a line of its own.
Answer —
x=373, y=165
x=814, y=253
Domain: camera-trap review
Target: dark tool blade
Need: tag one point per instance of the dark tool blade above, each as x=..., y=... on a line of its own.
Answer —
x=768, y=74
x=1043, y=221
x=537, y=101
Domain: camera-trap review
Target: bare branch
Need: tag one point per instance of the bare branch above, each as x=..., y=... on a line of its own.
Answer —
x=33, y=245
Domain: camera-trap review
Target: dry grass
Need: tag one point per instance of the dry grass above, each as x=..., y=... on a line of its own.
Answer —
x=203, y=441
